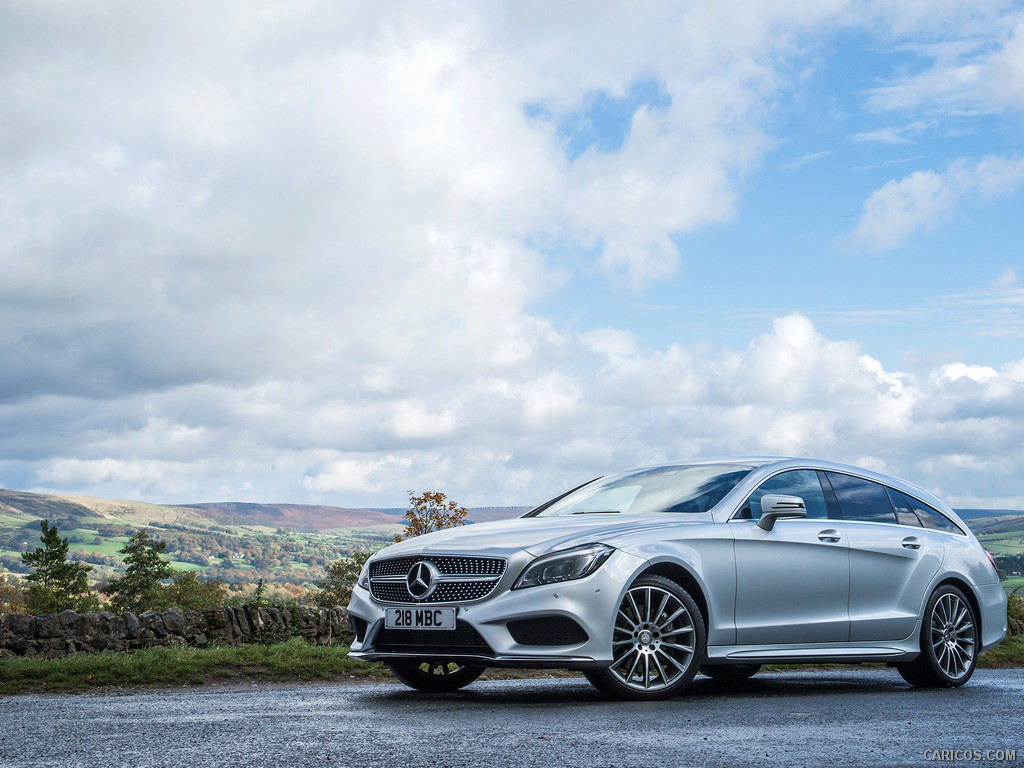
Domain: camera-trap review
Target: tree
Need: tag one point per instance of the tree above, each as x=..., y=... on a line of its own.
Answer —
x=56, y=584
x=431, y=511
x=140, y=587
x=341, y=577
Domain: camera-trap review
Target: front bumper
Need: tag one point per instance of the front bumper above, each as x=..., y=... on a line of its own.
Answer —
x=483, y=636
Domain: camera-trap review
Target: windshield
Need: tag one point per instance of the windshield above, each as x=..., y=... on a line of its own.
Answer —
x=680, y=489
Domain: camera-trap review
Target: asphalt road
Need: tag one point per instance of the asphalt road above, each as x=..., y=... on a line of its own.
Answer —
x=802, y=718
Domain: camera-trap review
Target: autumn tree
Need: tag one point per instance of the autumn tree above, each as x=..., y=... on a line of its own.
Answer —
x=12, y=595
x=431, y=511
x=56, y=584
x=140, y=587
x=336, y=587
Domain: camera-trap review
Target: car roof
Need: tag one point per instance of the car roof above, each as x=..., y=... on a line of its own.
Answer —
x=768, y=465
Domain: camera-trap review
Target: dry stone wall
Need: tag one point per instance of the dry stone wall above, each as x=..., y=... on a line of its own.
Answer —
x=53, y=636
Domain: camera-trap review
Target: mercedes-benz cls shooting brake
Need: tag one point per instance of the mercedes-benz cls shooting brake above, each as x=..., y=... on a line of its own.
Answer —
x=643, y=578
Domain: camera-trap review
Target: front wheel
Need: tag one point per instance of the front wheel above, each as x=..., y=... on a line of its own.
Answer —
x=949, y=642
x=435, y=676
x=658, y=642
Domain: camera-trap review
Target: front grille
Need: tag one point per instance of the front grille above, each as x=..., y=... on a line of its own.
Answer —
x=446, y=592
x=547, y=630
x=464, y=639
x=388, y=585
x=446, y=564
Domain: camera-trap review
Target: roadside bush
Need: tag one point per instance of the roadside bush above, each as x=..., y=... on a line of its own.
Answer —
x=336, y=588
x=263, y=594
x=1015, y=613
x=12, y=595
x=188, y=592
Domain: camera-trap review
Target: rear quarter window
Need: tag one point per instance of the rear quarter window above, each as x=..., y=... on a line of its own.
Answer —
x=931, y=518
x=904, y=512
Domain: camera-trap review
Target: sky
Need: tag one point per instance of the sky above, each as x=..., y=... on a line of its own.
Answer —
x=328, y=253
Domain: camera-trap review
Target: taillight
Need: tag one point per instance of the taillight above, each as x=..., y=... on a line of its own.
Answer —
x=994, y=566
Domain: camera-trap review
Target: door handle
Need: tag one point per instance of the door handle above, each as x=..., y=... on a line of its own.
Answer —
x=911, y=542
x=830, y=535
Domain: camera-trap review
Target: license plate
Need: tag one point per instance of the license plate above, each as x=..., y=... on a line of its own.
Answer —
x=420, y=618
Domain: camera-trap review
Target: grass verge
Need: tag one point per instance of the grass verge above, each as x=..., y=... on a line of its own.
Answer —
x=1009, y=653
x=294, y=660
x=287, y=661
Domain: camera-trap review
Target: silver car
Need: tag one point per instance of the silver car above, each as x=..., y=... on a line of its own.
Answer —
x=642, y=579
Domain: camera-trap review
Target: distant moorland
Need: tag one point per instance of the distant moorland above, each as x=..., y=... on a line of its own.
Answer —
x=231, y=541
x=292, y=543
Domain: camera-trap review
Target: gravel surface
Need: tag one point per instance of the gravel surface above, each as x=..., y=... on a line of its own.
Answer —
x=852, y=717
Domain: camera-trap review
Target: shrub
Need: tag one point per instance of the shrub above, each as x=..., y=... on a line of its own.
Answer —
x=189, y=592
x=336, y=588
x=1015, y=613
x=12, y=595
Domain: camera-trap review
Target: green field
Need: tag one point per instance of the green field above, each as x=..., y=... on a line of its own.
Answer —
x=216, y=545
x=210, y=542
x=1014, y=582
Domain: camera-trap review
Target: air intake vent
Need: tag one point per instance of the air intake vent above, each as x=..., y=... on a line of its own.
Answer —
x=464, y=639
x=547, y=630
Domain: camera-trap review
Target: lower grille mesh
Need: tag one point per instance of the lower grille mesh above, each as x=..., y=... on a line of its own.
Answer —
x=463, y=639
x=547, y=630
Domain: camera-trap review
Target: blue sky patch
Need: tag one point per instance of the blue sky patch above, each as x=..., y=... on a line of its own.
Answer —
x=603, y=121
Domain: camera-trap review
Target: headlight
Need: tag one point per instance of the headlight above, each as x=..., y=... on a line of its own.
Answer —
x=567, y=565
x=364, y=576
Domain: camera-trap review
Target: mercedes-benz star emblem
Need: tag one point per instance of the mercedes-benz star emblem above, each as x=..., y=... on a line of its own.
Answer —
x=422, y=579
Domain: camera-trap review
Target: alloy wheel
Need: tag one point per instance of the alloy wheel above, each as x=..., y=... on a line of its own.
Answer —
x=653, y=640
x=952, y=635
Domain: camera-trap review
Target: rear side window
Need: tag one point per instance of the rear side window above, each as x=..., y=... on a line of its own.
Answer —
x=861, y=499
x=931, y=518
x=904, y=512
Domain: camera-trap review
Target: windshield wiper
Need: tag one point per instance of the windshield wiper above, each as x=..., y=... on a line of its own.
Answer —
x=597, y=512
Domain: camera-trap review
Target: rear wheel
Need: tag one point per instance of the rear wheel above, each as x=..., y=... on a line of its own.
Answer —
x=730, y=673
x=949, y=642
x=658, y=642
x=435, y=676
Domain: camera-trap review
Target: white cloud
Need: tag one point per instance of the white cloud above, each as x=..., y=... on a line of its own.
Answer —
x=298, y=252
x=356, y=476
x=893, y=134
x=921, y=200
x=980, y=69
x=520, y=438
x=803, y=160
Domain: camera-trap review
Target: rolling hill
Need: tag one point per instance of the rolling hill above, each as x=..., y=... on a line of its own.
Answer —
x=280, y=543
x=233, y=541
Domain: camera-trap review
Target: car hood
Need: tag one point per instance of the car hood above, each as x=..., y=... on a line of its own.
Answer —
x=536, y=535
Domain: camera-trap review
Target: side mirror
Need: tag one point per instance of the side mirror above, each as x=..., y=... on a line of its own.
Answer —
x=774, y=506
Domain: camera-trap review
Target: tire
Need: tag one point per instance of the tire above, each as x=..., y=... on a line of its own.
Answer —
x=658, y=642
x=730, y=673
x=435, y=676
x=949, y=642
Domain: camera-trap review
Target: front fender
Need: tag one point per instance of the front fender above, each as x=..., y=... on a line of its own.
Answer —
x=710, y=564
